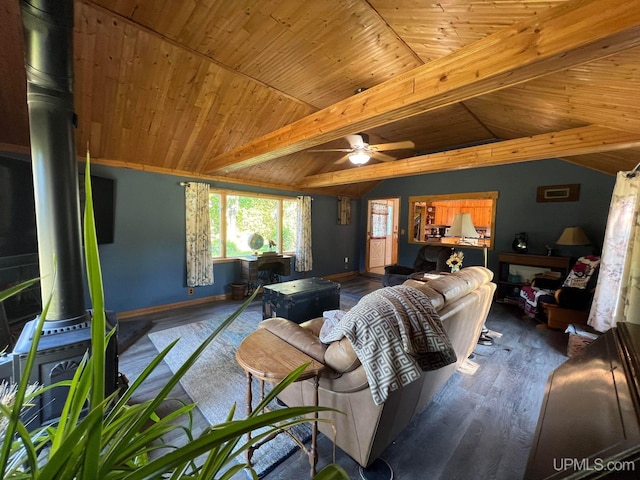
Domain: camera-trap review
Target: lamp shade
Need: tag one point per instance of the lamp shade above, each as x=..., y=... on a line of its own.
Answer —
x=463, y=226
x=573, y=236
x=359, y=157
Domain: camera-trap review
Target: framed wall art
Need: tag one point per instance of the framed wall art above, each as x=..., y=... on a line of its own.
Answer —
x=558, y=193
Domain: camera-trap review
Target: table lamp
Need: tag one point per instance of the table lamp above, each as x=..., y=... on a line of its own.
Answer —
x=573, y=236
x=463, y=227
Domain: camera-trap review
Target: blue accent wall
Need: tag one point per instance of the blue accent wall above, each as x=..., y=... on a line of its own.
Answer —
x=517, y=209
x=145, y=266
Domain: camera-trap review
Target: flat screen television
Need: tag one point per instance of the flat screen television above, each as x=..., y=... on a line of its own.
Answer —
x=18, y=235
x=17, y=209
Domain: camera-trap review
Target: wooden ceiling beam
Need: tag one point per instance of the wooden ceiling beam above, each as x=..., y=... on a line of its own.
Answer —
x=556, y=39
x=566, y=143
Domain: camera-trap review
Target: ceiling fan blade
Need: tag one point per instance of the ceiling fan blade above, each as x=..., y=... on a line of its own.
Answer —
x=342, y=159
x=331, y=150
x=408, y=144
x=382, y=156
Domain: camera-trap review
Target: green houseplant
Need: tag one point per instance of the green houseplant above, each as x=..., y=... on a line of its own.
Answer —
x=109, y=438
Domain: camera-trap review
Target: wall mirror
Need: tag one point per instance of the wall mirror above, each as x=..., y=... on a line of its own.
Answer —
x=453, y=219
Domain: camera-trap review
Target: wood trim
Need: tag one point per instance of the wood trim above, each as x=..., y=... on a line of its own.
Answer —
x=556, y=39
x=575, y=141
x=172, y=306
x=338, y=276
x=490, y=195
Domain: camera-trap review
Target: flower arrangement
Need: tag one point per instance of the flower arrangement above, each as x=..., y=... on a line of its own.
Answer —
x=455, y=261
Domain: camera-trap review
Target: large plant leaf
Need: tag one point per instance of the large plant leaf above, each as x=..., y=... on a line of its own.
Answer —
x=110, y=439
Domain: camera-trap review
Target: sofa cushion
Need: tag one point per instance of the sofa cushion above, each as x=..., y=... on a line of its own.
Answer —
x=437, y=300
x=458, y=284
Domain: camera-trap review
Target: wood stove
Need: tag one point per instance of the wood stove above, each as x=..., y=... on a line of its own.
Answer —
x=48, y=34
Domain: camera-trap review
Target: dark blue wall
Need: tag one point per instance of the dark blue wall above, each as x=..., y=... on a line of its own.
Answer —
x=145, y=266
x=517, y=209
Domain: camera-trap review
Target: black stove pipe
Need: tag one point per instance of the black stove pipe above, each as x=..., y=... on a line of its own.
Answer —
x=48, y=33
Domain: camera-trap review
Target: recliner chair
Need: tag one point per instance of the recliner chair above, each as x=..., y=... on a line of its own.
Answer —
x=565, y=304
x=430, y=258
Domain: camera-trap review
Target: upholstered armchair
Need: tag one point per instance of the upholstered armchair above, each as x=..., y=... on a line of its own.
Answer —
x=430, y=258
x=561, y=305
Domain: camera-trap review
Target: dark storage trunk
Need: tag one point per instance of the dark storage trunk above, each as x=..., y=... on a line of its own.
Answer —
x=300, y=300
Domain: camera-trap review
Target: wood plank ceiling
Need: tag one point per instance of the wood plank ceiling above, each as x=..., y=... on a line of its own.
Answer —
x=241, y=90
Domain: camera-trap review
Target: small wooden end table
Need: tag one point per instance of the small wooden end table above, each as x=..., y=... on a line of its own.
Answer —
x=426, y=276
x=267, y=357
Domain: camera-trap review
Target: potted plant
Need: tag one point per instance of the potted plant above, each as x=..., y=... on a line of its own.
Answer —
x=109, y=438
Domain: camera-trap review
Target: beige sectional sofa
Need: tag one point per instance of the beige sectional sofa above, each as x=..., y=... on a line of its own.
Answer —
x=462, y=300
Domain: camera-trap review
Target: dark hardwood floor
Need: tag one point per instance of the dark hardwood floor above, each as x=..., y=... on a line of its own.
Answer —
x=479, y=426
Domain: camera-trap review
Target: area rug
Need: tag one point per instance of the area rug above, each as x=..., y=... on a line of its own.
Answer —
x=216, y=381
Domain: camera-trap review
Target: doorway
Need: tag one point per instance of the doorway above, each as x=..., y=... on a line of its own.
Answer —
x=382, y=234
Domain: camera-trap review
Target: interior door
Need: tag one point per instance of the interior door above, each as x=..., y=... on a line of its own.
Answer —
x=382, y=234
x=377, y=252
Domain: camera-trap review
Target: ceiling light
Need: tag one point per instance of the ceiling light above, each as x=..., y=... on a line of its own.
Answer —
x=359, y=157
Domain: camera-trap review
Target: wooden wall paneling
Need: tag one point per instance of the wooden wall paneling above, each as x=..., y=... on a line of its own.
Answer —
x=570, y=98
x=537, y=48
x=436, y=130
x=435, y=30
x=608, y=162
x=84, y=47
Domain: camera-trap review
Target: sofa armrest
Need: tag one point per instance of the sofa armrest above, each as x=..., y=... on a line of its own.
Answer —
x=398, y=270
x=341, y=356
x=296, y=336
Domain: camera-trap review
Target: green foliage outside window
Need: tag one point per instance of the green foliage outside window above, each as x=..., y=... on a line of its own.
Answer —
x=245, y=215
x=215, y=209
x=289, y=225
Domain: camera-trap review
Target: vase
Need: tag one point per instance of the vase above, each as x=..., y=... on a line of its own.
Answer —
x=455, y=269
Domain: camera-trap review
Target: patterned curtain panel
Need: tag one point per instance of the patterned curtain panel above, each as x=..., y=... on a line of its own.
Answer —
x=199, y=261
x=379, y=213
x=617, y=298
x=304, y=259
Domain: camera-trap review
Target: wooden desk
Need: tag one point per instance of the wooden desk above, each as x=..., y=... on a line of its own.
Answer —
x=265, y=269
x=267, y=357
x=558, y=264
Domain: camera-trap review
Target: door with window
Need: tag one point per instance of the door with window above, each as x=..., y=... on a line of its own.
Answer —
x=382, y=234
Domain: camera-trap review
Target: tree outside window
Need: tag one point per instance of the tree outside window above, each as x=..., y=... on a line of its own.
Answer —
x=236, y=217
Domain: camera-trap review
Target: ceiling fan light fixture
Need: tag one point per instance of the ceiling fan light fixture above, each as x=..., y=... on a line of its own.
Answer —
x=359, y=158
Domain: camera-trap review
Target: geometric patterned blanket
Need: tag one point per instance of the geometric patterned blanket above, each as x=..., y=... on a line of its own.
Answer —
x=397, y=334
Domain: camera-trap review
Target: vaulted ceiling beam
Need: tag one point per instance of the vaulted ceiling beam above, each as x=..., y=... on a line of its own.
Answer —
x=556, y=39
x=566, y=143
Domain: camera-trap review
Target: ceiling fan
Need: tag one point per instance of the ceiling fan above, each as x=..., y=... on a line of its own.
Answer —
x=360, y=151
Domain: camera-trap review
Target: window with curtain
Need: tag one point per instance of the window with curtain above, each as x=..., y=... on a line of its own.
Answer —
x=235, y=216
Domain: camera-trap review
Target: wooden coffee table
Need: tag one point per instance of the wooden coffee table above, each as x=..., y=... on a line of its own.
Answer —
x=267, y=357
